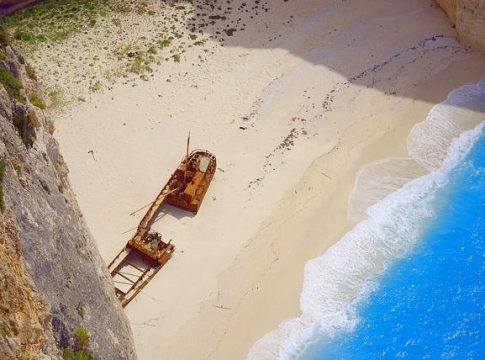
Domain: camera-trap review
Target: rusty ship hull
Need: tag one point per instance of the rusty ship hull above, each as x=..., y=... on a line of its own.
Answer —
x=146, y=253
x=191, y=180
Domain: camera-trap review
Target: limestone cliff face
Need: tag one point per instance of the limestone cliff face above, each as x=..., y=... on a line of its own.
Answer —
x=468, y=16
x=52, y=279
x=24, y=315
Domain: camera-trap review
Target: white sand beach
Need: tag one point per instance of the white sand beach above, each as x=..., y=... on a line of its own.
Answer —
x=293, y=107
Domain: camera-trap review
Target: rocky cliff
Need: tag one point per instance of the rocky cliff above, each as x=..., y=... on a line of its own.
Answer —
x=468, y=16
x=9, y=6
x=55, y=292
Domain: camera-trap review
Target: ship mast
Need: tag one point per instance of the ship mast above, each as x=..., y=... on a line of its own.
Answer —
x=187, y=157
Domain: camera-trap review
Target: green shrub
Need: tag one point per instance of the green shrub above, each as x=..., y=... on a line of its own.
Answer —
x=96, y=86
x=37, y=102
x=34, y=99
x=69, y=354
x=56, y=20
x=31, y=71
x=11, y=84
x=4, y=36
x=165, y=42
x=82, y=337
x=139, y=65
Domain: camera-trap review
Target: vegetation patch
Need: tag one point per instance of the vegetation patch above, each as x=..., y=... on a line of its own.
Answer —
x=85, y=46
x=141, y=63
x=165, y=42
x=55, y=97
x=25, y=128
x=82, y=337
x=53, y=21
x=176, y=58
x=4, y=36
x=69, y=354
x=95, y=86
x=34, y=99
x=79, y=352
x=31, y=71
x=11, y=84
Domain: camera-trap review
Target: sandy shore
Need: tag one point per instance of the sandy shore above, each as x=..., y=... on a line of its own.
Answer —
x=293, y=106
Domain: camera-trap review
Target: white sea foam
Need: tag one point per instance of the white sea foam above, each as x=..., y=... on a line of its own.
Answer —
x=346, y=274
x=377, y=180
x=461, y=111
x=427, y=144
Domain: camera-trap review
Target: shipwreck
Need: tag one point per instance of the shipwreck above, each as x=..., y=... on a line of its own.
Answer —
x=146, y=252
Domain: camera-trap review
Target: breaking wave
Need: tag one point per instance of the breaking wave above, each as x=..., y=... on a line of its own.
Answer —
x=338, y=281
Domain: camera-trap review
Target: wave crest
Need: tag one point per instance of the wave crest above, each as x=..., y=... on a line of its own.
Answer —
x=346, y=274
x=462, y=110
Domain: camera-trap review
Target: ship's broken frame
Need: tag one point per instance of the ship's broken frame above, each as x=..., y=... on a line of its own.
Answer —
x=146, y=252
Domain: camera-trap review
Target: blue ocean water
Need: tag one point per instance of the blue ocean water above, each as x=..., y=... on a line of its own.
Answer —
x=429, y=304
x=408, y=280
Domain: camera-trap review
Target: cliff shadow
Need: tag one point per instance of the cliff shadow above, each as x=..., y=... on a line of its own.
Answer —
x=388, y=46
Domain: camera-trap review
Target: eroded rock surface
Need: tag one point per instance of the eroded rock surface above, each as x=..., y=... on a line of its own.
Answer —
x=468, y=16
x=52, y=279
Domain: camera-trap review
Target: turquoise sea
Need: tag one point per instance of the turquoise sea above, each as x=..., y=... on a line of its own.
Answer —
x=407, y=282
x=431, y=303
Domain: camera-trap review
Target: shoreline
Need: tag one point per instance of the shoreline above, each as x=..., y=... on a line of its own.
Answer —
x=238, y=267
x=391, y=145
x=316, y=220
x=355, y=274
